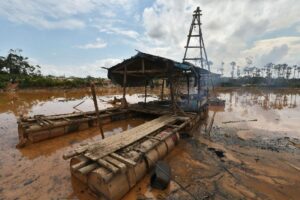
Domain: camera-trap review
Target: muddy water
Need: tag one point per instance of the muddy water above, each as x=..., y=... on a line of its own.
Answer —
x=39, y=172
x=252, y=151
x=267, y=110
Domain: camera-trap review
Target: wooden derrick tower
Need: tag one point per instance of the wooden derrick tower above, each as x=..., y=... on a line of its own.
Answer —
x=195, y=32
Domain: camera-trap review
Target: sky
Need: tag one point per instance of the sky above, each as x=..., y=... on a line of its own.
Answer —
x=79, y=37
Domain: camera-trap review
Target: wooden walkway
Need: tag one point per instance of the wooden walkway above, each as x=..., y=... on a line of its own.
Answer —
x=111, y=144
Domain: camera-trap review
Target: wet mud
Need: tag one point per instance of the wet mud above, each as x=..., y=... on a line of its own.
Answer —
x=241, y=160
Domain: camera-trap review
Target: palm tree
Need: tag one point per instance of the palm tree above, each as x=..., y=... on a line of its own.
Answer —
x=269, y=68
x=288, y=72
x=257, y=72
x=263, y=72
x=246, y=71
x=284, y=70
x=278, y=69
x=222, y=68
x=238, y=72
x=232, y=68
x=295, y=69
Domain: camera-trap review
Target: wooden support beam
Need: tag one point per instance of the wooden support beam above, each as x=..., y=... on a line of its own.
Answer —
x=143, y=66
x=124, y=102
x=116, y=163
x=188, y=87
x=80, y=164
x=123, y=160
x=145, y=100
x=162, y=90
x=153, y=71
x=107, y=165
x=171, y=88
x=97, y=109
x=87, y=169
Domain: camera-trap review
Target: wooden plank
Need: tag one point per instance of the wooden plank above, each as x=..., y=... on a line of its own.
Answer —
x=87, y=169
x=108, y=166
x=115, y=142
x=117, y=163
x=123, y=160
x=80, y=164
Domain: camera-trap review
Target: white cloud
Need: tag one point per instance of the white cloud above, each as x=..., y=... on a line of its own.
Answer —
x=230, y=29
x=298, y=29
x=114, y=26
x=57, y=14
x=90, y=69
x=280, y=49
x=98, y=44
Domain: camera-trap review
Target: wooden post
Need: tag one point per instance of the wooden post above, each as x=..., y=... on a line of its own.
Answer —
x=171, y=88
x=162, y=90
x=145, y=101
x=96, y=108
x=188, y=88
x=143, y=66
x=124, y=102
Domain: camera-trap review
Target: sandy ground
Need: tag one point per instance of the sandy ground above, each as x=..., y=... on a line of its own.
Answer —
x=239, y=160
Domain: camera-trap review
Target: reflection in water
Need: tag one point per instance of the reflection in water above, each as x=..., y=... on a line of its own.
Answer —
x=266, y=99
x=61, y=101
x=275, y=110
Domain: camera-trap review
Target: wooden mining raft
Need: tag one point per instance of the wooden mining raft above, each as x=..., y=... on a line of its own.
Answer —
x=112, y=166
x=40, y=127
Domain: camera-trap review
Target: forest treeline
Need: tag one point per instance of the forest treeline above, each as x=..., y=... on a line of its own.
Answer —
x=16, y=69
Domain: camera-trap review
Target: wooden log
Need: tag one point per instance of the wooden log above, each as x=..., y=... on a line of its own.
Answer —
x=87, y=169
x=108, y=166
x=117, y=163
x=123, y=160
x=81, y=164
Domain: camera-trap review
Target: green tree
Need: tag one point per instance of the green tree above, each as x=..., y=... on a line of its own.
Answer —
x=16, y=64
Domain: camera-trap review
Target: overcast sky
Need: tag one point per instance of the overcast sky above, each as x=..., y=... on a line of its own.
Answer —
x=78, y=37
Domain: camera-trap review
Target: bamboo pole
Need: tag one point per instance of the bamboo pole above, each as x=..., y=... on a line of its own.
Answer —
x=96, y=109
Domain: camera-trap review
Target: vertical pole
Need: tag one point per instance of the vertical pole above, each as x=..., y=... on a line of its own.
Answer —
x=171, y=88
x=145, y=101
x=96, y=108
x=124, y=102
x=188, y=88
x=162, y=90
x=143, y=66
